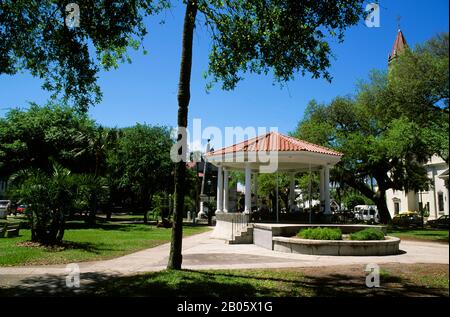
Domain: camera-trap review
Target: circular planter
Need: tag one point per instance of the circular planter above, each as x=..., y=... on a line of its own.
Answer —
x=389, y=246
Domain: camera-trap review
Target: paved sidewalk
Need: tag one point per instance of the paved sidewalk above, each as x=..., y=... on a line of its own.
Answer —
x=202, y=252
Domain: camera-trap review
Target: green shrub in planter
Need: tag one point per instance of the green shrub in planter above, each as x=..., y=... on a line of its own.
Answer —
x=368, y=234
x=321, y=234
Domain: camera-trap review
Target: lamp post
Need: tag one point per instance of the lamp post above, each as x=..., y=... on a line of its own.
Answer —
x=201, y=213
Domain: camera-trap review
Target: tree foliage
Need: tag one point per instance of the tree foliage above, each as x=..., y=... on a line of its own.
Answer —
x=49, y=198
x=282, y=37
x=35, y=38
x=390, y=128
x=84, y=167
x=39, y=136
x=140, y=165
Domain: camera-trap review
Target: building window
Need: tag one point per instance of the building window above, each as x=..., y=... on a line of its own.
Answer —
x=441, y=202
x=396, y=208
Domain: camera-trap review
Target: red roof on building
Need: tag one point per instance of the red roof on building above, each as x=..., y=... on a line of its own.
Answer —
x=274, y=141
x=399, y=45
x=191, y=165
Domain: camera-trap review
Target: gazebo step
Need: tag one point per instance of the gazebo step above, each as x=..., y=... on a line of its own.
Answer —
x=244, y=237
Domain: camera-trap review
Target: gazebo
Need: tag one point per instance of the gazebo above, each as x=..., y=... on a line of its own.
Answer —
x=271, y=152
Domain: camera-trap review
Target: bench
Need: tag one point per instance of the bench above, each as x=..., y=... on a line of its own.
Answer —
x=10, y=230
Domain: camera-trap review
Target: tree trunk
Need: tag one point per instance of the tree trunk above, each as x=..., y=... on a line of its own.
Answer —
x=383, y=211
x=109, y=212
x=145, y=217
x=61, y=229
x=339, y=196
x=92, y=214
x=175, y=257
x=379, y=197
x=147, y=207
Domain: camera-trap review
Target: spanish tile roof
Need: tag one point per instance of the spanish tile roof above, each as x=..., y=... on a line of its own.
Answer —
x=399, y=45
x=274, y=141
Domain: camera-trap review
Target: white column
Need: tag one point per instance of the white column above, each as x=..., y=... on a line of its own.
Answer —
x=201, y=211
x=327, y=190
x=219, y=189
x=225, y=189
x=322, y=185
x=291, y=191
x=248, y=190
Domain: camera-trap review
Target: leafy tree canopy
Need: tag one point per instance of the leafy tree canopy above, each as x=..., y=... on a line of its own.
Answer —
x=287, y=36
x=141, y=162
x=39, y=136
x=387, y=132
x=35, y=37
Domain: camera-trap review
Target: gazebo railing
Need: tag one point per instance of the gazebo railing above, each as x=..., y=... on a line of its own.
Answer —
x=238, y=224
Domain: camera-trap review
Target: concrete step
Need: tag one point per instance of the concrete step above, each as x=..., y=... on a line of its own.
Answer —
x=243, y=237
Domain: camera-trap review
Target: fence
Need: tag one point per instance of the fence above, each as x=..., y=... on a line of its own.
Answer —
x=238, y=223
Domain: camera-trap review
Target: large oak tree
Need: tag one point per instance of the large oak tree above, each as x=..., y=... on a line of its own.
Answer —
x=396, y=121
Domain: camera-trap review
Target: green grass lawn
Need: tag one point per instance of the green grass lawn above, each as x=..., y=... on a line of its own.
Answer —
x=124, y=217
x=395, y=280
x=425, y=234
x=347, y=281
x=83, y=243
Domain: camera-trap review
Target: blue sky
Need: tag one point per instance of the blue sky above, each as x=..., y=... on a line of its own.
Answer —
x=145, y=91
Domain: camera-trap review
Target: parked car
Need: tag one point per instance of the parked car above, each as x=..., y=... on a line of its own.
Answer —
x=342, y=216
x=367, y=213
x=5, y=206
x=408, y=219
x=21, y=209
x=441, y=222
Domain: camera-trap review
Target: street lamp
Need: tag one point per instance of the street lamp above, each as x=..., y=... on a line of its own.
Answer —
x=201, y=213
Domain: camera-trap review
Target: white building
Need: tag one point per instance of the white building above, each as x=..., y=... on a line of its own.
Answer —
x=435, y=200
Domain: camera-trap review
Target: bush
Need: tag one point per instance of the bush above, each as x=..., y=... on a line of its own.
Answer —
x=321, y=234
x=154, y=214
x=48, y=197
x=368, y=234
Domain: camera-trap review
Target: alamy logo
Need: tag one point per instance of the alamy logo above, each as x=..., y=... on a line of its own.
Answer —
x=267, y=159
x=373, y=278
x=73, y=15
x=373, y=15
x=73, y=276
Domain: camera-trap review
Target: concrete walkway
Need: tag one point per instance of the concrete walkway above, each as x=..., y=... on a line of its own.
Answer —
x=202, y=252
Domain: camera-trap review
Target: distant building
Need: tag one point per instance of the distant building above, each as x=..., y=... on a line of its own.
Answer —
x=399, y=46
x=436, y=199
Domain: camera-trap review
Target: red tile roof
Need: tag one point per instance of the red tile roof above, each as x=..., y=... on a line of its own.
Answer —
x=399, y=45
x=274, y=141
x=191, y=165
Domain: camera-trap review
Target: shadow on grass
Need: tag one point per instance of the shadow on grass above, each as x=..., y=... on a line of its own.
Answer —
x=95, y=248
x=342, y=285
x=105, y=285
x=106, y=226
x=119, y=226
x=218, y=284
